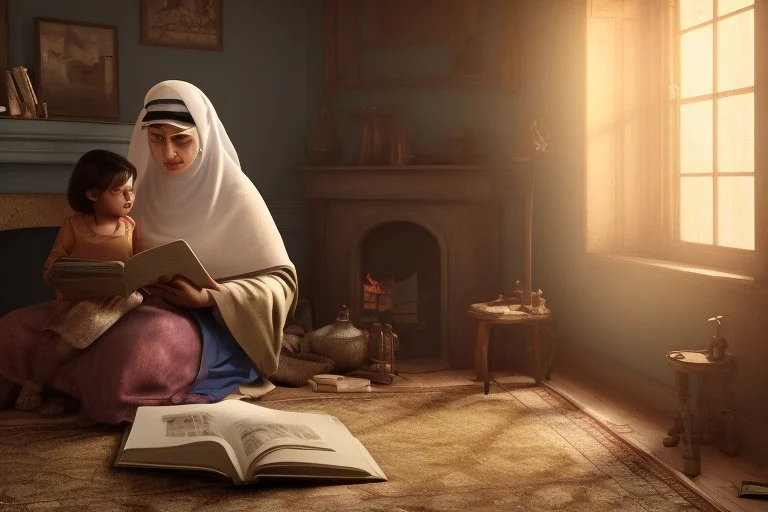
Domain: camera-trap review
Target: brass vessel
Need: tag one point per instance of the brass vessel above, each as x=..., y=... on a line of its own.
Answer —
x=342, y=342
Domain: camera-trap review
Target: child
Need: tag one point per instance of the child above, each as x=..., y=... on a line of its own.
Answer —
x=100, y=191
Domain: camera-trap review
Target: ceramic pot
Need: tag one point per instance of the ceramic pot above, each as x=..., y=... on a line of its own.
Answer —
x=342, y=342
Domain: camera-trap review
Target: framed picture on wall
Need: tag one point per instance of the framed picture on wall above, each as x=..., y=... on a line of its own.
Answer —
x=424, y=43
x=76, y=69
x=184, y=24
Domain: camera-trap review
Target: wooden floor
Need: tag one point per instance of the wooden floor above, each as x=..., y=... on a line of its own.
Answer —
x=634, y=420
x=644, y=427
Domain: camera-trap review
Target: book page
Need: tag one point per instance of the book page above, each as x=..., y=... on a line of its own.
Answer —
x=247, y=431
x=177, y=425
x=255, y=439
x=191, y=425
x=348, y=459
x=173, y=258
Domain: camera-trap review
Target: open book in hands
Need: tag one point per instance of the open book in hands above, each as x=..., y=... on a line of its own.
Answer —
x=78, y=278
x=246, y=442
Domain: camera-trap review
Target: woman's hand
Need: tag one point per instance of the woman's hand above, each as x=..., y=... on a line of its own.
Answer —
x=180, y=291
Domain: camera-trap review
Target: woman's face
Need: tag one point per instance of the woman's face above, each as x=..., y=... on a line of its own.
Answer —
x=174, y=148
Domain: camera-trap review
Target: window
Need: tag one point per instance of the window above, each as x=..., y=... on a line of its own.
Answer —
x=672, y=164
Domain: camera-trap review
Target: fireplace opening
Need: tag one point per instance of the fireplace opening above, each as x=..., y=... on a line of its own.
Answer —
x=400, y=264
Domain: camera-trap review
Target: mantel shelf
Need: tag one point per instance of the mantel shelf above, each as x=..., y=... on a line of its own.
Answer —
x=443, y=182
x=52, y=142
x=516, y=162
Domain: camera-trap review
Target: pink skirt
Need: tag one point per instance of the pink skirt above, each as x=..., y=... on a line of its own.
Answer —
x=80, y=322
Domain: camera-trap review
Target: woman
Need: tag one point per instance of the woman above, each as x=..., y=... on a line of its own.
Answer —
x=183, y=343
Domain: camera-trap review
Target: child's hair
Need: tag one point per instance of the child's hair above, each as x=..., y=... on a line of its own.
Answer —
x=99, y=169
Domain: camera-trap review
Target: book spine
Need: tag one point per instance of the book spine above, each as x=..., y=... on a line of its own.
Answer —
x=14, y=102
x=327, y=388
x=27, y=92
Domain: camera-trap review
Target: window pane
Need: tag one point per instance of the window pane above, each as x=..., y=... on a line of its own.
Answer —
x=736, y=52
x=696, y=210
x=736, y=133
x=726, y=6
x=736, y=212
x=696, y=62
x=693, y=12
x=696, y=137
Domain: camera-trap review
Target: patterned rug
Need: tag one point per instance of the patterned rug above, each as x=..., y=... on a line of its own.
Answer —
x=445, y=449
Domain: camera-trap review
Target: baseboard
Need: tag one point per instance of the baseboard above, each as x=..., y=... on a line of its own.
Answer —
x=752, y=435
x=636, y=386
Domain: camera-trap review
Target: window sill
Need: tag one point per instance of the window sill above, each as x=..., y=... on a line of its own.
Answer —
x=698, y=273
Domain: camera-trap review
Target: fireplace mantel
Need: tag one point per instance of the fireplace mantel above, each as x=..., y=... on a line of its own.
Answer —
x=439, y=182
x=460, y=205
x=43, y=141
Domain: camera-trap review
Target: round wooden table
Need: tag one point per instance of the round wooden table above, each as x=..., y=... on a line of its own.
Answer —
x=691, y=420
x=541, y=357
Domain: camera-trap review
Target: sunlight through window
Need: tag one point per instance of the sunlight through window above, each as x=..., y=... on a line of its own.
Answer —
x=716, y=130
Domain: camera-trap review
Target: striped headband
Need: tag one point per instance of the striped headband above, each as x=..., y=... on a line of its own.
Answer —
x=168, y=111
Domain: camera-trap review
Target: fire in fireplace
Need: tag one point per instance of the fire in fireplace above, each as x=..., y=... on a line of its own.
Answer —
x=400, y=263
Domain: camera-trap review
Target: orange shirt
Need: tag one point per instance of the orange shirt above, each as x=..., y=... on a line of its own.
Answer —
x=77, y=240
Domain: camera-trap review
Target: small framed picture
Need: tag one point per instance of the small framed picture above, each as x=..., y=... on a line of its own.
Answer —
x=76, y=69
x=190, y=24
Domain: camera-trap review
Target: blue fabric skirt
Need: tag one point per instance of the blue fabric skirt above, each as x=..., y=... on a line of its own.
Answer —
x=223, y=365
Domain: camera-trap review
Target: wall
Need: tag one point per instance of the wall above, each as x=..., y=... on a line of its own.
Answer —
x=263, y=84
x=624, y=313
x=629, y=314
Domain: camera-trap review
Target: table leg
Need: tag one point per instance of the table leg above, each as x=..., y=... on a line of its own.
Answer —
x=492, y=334
x=550, y=348
x=478, y=353
x=673, y=434
x=729, y=445
x=691, y=441
x=535, y=351
x=481, y=353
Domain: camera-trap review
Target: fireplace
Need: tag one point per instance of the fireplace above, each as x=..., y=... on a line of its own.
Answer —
x=400, y=279
x=409, y=245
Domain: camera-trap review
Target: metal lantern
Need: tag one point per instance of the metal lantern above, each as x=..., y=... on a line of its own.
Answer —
x=382, y=342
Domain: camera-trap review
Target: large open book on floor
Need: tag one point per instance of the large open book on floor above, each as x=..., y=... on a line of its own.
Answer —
x=78, y=278
x=246, y=442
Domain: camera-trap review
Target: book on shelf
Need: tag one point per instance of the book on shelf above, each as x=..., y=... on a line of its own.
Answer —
x=246, y=443
x=26, y=91
x=78, y=278
x=14, y=101
x=332, y=383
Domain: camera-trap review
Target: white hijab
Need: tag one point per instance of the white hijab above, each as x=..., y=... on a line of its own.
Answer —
x=213, y=206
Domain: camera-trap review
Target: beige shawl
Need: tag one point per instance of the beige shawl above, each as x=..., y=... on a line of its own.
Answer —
x=254, y=309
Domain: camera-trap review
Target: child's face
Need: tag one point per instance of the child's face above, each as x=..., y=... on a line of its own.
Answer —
x=116, y=201
x=174, y=149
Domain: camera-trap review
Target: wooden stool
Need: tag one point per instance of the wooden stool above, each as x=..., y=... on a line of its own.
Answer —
x=541, y=359
x=690, y=422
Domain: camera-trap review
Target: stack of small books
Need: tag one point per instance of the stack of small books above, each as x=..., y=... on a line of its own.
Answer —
x=331, y=383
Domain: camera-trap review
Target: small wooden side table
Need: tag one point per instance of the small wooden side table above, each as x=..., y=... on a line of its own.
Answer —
x=540, y=356
x=691, y=422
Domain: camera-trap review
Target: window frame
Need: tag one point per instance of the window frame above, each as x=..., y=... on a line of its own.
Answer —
x=639, y=218
x=736, y=260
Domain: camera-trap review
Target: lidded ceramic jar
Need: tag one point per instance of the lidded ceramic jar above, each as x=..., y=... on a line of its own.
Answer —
x=342, y=342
